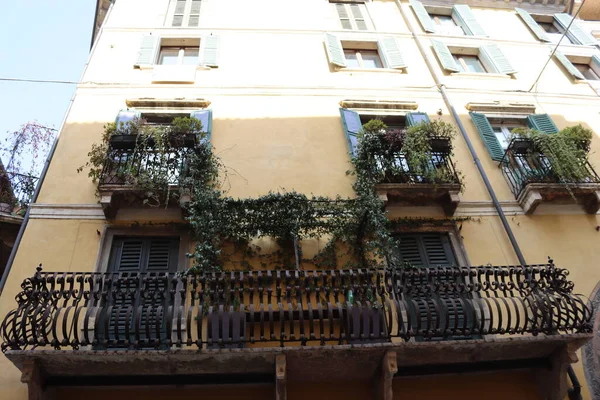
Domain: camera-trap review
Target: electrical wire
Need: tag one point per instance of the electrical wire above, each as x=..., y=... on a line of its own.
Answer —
x=556, y=47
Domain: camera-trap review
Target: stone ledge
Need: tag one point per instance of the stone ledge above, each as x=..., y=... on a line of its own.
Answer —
x=586, y=194
x=446, y=195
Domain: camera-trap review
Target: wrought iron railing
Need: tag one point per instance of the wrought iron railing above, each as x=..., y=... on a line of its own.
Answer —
x=523, y=164
x=129, y=166
x=237, y=309
x=396, y=167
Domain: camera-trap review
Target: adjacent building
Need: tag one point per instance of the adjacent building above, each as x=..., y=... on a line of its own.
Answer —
x=489, y=231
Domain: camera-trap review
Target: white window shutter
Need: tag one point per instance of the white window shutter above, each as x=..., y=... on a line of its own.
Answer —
x=359, y=19
x=335, y=51
x=462, y=15
x=211, y=51
x=423, y=16
x=179, y=13
x=532, y=25
x=595, y=64
x=444, y=56
x=194, y=17
x=491, y=54
x=388, y=47
x=576, y=32
x=343, y=15
x=568, y=65
x=147, y=53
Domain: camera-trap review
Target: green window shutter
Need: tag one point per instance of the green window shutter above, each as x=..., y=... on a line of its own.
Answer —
x=576, y=32
x=416, y=118
x=542, y=123
x=352, y=126
x=487, y=135
x=595, y=64
x=147, y=53
x=388, y=47
x=179, y=13
x=532, y=25
x=462, y=15
x=194, y=18
x=491, y=54
x=568, y=65
x=423, y=16
x=125, y=116
x=444, y=56
x=205, y=117
x=211, y=51
x=335, y=51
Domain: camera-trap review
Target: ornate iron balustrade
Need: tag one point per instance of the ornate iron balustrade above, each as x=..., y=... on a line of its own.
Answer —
x=237, y=309
x=127, y=166
x=394, y=166
x=523, y=164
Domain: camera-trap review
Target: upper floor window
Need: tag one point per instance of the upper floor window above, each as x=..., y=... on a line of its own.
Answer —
x=468, y=63
x=551, y=28
x=352, y=15
x=581, y=68
x=362, y=58
x=383, y=53
x=483, y=59
x=184, y=13
x=171, y=55
x=455, y=21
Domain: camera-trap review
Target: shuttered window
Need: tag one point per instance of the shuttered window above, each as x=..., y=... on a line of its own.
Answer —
x=431, y=250
x=129, y=257
x=184, y=13
x=353, y=16
x=384, y=53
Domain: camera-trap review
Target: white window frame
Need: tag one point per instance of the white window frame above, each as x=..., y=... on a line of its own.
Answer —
x=440, y=29
x=181, y=54
x=458, y=51
x=360, y=59
x=364, y=9
x=459, y=60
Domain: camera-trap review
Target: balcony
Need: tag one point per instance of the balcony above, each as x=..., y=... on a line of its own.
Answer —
x=533, y=180
x=16, y=191
x=127, y=170
x=133, y=324
x=435, y=181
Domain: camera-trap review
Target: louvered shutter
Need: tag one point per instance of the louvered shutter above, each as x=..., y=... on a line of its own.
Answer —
x=463, y=16
x=343, y=15
x=532, y=25
x=595, y=64
x=423, y=16
x=335, y=51
x=147, y=52
x=179, y=13
x=205, y=117
x=542, y=123
x=444, y=56
x=124, y=117
x=488, y=136
x=492, y=55
x=431, y=250
x=194, y=18
x=130, y=257
x=211, y=51
x=359, y=19
x=568, y=65
x=352, y=126
x=576, y=32
x=388, y=48
x=416, y=118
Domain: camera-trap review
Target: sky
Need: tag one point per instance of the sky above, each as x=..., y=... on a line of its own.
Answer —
x=41, y=39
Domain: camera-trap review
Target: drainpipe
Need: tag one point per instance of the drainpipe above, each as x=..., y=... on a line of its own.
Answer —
x=34, y=198
x=575, y=391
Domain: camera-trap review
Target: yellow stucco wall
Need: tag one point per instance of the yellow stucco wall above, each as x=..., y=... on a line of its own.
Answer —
x=275, y=101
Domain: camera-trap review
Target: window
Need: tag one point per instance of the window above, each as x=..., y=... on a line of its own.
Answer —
x=468, y=63
x=178, y=55
x=129, y=256
x=554, y=32
x=362, y=58
x=587, y=72
x=444, y=24
x=353, y=16
x=484, y=59
x=184, y=13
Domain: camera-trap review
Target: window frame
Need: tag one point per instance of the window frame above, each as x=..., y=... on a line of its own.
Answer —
x=185, y=19
x=360, y=61
x=459, y=59
x=181, y=55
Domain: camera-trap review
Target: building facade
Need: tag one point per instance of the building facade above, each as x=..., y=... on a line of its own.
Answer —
x=282, y=92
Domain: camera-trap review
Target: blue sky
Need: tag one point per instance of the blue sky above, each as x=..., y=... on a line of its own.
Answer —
x=41, y=39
